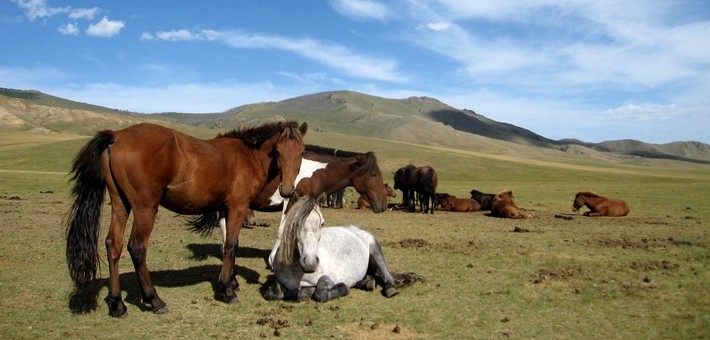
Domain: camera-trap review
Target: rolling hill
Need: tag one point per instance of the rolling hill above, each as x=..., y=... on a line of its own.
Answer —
x=417, y=120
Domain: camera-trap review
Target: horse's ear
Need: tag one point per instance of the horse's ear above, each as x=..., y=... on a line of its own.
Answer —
x=303, y=128
x=322, y=199
x=361, y=158
x=280, y=125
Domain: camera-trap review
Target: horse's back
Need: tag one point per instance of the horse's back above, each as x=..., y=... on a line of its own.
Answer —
x=344, y=253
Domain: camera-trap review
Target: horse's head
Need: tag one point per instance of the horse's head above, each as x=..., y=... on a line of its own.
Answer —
x=578, y=201
x=506, y=195
x=301, y=234
x=390, y=191
x=289, y=149
x=369, y=184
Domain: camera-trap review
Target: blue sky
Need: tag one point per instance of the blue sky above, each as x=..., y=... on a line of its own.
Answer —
x=593, y=70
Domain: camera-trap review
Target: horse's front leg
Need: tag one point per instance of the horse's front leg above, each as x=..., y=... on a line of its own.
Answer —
x=143, y=222
x=227, y=277
x=327, y=290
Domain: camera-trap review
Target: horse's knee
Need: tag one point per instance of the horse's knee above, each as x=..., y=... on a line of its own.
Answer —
x=274, y=292
x=137, y=251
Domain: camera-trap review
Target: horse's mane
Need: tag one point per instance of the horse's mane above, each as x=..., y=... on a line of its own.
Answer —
x=504, y=195
x=255, y=136
x=589, y=194
x=335, y=153
x=292, y=222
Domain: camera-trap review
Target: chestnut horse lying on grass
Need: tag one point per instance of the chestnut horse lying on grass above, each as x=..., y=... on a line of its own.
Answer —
x=451, y=203
x=503, y=206
x=363, y=204
x=599, y=205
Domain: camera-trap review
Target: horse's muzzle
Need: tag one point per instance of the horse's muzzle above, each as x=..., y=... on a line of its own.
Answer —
x=287, y=193
x=309, y=264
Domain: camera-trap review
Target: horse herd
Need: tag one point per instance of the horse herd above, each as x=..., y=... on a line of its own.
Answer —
x=263, y=168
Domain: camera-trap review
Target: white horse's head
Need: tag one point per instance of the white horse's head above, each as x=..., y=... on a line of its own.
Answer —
x=301, y=234
x=308, y=238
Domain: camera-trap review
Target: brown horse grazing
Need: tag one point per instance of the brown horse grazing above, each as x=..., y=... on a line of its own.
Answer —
x=145, y=166
x=503, y=206
x=599, y=205
x=421, y=181
x=363, y=204
x=485, y=200
x=451, y=203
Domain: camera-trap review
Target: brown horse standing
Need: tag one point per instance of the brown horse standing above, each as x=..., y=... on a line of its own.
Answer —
x=599, y=205
x=451, y=203
x=363, y=204
x=503, y=206
x=145, y=166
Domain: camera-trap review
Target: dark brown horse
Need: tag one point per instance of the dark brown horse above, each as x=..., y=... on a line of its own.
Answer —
x=146, y=166
x=503, y=206
x=420, y=181
x=362, y=202
x=485, y=200
x=451, y=203
x=599, y=205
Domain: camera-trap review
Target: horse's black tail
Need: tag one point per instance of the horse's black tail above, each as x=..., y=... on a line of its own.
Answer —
x=85, y=214
x=204, y=223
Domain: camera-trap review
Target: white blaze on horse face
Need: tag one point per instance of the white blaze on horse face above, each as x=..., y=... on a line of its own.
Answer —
x=308, y=167
x=308, y=238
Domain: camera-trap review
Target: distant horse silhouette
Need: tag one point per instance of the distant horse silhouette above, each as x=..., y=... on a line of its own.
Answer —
x=599, y=205
x=336, y=199
x=485, y=200
x=421, y=181
x=451, y=203
x=324, y=263
x=324, y=170
x=362, y=203
x=503, y=206
x=145, y=166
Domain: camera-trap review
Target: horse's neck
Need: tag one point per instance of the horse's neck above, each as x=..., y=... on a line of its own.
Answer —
x=591, y=201
x=334, y=176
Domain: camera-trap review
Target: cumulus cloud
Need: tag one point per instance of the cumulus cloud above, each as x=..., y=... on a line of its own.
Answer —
x=69, y=29
x=105, y=28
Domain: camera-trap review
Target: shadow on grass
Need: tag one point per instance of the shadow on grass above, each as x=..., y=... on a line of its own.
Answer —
x=85, y=300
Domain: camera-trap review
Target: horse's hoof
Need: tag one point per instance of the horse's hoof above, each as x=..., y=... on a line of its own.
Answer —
x=119, y=313
x=390, y=292
x=161, y=310
x=232, y=300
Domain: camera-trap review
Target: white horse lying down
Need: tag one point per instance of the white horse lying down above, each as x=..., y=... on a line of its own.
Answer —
x=324, y=263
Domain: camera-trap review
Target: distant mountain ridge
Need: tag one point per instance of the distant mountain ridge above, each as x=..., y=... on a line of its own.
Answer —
x=420, y=120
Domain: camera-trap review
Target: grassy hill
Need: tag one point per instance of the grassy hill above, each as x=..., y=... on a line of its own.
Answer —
x=416, y=120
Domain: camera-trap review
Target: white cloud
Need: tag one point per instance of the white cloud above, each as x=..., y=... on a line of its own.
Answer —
x=361, y=9
x=84, y=13
x=180, y=35
x=39, y=9
x=69, y=29
x=332, y=55
x=105, y=28
x=646, y=112
x=438, y=26
x=147, y=36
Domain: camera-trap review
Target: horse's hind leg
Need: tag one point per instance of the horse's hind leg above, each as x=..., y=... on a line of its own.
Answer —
x=327, y=290
x=143, y=221
x=377, y=260
x=120, y=209
x=368, y=283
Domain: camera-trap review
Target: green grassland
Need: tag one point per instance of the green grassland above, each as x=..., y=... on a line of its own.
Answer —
x=641, y=276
